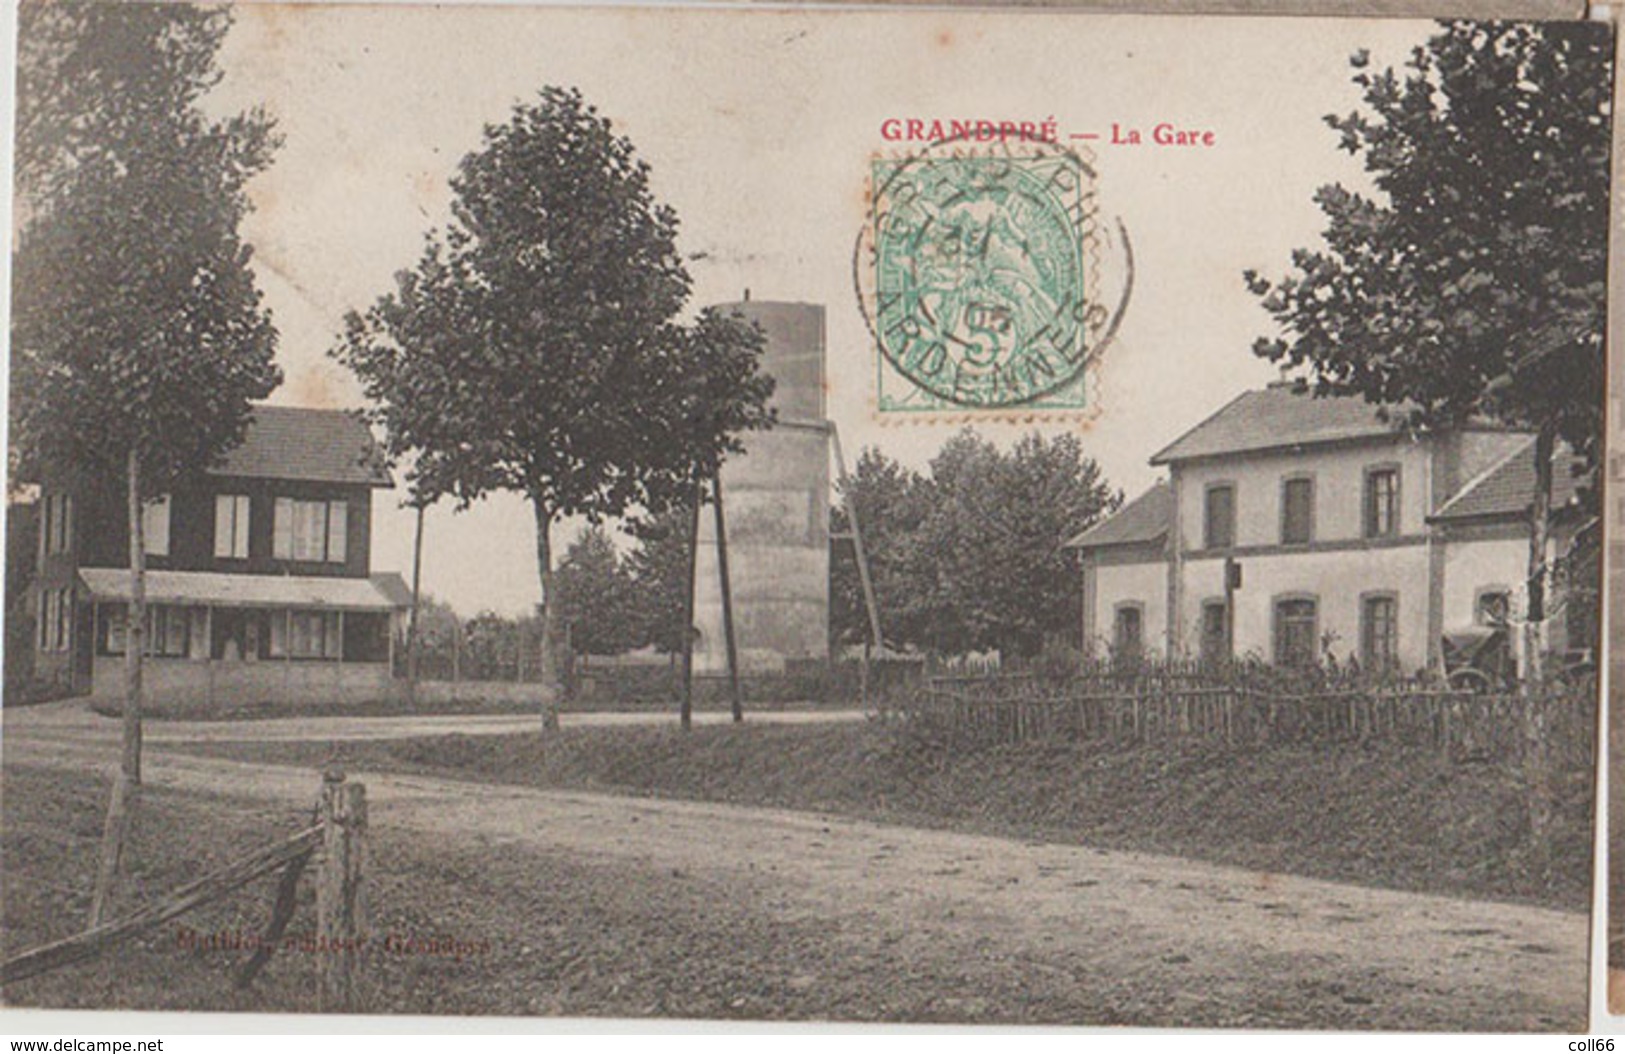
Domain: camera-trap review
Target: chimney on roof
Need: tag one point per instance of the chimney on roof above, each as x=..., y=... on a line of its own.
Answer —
x=1285, y=380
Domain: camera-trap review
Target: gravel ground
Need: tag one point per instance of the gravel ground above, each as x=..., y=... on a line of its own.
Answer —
x=596, y=904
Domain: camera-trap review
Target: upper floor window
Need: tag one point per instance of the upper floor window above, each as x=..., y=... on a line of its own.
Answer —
x=231, y=526
x=56, y=532
x=1382, y=502
x=155, y=526
x=309, y=530
x=1297, y=510
x=1219, y=517
x=1379, y=632
x=1296, y=629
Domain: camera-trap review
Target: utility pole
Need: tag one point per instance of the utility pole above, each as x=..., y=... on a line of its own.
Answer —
x=727, y=601
x=1232, y=582
x=686, y=704
x=874, y=643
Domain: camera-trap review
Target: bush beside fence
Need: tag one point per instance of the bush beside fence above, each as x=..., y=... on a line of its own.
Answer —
x=813, y=682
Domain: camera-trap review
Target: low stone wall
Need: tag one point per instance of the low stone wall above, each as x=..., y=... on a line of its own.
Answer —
x=192, y=681
x=435, y=692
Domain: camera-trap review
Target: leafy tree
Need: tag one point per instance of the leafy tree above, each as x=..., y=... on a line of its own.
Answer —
x=996, y=530
x=22, y=545
x=1473, y=282
x=595, y=595
x=969, y=557
x=536, y=347
x=138, y=337
x=658, y=568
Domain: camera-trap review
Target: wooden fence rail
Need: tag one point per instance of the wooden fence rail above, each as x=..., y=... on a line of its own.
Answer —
x=340, y=840
x=210, y=887
x=1012, y=710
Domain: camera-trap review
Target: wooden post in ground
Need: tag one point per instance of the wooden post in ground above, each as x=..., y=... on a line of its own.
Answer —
x=685, y=714
x=876, y=642
x=727, y=601
x=340, y=903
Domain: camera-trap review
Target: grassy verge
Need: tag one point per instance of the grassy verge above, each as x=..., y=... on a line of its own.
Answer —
x=517, y=931
x=1385, y=816
x=159, y=710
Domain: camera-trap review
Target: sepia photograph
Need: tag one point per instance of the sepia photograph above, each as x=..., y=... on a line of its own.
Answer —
x=758, y=514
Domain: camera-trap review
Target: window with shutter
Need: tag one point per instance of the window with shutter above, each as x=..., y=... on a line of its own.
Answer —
x=1297, y=511
x=314, y=531
x=231, y=526
x=1219, y=519
x=337, y=531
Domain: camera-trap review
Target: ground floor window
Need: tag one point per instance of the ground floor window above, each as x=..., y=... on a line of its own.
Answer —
x=306, y=635
x=1492, y=606
x=1128, y=630
x=1379, y=632
x=1215, y=640
x=169, y=629
x=1295, y=631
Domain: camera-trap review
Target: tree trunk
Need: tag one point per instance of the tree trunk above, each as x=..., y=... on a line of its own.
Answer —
x=1540, y=511
x=135, y=626
x=126, y=784
x=412, y=646
x=547, y=664
x=1537, y=770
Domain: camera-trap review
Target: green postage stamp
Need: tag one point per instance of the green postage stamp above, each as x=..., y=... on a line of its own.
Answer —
x=981, y=290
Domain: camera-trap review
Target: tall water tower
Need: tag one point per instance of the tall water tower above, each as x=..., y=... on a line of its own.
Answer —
x=775, y=498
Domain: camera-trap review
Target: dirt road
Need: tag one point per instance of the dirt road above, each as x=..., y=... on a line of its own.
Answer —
x=1157, y=938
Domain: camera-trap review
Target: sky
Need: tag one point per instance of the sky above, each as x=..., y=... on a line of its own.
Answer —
x=759, y=126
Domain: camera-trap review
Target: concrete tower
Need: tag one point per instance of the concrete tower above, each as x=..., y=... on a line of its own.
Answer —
x=776, y=501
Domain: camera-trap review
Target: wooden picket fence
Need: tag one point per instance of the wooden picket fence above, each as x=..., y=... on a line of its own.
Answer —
x=337, y=842
x=1016, y=709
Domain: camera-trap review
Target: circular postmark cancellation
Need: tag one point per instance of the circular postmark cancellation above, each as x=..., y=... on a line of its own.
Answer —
x=977, y=273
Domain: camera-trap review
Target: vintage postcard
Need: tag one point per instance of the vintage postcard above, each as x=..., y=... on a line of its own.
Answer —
x=974, y=517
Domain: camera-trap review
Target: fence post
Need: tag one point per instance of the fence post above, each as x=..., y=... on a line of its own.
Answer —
x=340, y=906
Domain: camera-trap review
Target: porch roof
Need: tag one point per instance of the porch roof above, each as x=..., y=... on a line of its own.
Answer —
x=381, y=592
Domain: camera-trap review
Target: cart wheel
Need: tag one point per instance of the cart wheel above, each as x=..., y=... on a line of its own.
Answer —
x=1470, y=680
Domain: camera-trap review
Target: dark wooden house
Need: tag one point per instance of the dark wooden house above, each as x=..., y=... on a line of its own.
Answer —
x=260, y=585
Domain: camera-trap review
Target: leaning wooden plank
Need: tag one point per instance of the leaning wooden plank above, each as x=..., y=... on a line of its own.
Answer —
x=287, y=893
x=93, y=942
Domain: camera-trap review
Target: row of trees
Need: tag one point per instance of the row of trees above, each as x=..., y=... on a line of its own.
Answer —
x=966, y=556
